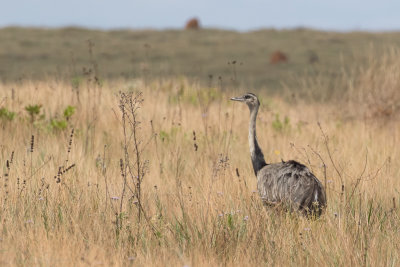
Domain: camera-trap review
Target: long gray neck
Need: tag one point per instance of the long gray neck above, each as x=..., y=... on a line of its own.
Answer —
x=257, y=157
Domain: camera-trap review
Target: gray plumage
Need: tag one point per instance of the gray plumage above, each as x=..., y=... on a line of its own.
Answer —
x=290, y=183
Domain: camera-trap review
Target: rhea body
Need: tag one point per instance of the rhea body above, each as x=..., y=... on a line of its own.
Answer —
x=290, y=183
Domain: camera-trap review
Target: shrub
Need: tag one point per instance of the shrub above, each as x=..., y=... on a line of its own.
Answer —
x=281, y=126
x=68, y=112
x=33, y=111
x=5, y=114
x=58, y=124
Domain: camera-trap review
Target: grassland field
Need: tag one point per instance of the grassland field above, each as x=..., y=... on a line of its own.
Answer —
x=152, y=168
x=34, y=53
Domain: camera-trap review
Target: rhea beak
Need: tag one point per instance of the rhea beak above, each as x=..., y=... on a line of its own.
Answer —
x=237, y=98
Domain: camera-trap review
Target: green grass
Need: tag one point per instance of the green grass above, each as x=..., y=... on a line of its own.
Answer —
x=32, y=53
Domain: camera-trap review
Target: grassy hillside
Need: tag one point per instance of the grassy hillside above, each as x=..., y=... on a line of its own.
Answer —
x=63, y=53
x=73, y=199
x=107, y=160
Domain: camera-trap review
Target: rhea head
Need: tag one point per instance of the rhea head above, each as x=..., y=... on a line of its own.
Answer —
x=249, y=98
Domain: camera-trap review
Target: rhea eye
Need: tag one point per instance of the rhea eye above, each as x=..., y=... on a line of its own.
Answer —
x=246, y=97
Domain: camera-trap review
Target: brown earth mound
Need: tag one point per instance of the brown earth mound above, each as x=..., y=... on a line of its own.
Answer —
x=278, y=57
x=192, y=24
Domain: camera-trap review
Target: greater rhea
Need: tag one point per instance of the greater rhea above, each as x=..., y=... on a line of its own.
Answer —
x=290, y=183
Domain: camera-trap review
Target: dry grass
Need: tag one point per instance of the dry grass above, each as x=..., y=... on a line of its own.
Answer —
x=198, y=191
x=377, y=90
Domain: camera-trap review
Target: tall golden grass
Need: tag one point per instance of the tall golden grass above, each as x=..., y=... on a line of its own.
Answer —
x=199, y=200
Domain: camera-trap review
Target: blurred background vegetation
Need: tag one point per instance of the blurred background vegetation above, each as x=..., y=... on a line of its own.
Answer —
x=213, y=58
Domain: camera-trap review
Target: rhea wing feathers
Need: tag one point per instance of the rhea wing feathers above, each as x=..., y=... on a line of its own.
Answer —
x=291, y=183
